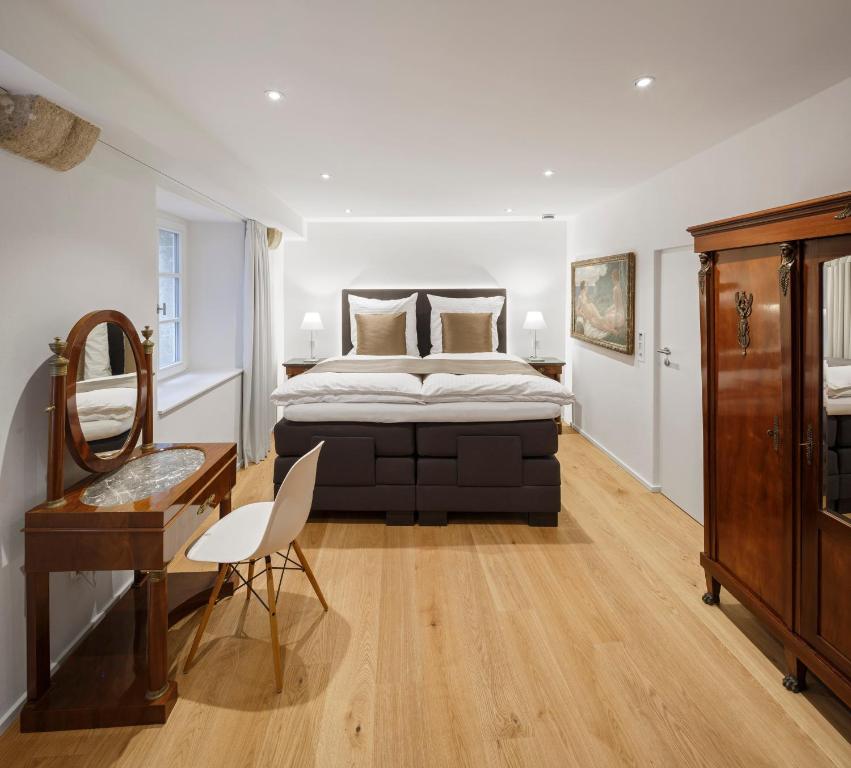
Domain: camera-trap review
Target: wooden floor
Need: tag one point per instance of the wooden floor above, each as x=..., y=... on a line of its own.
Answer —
x=484, y=645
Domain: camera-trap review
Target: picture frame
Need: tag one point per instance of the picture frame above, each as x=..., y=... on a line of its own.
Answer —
x=602, y=310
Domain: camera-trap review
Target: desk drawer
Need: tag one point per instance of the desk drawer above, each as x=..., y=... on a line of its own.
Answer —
x=188, y=518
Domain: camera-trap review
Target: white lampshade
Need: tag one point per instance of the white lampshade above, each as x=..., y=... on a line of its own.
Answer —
x=311, y=322
x=534, y=322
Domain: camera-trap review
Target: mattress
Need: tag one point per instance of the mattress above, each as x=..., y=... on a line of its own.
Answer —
x=398, y=413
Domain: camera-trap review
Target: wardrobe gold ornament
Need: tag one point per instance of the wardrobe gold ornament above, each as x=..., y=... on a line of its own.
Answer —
x=744, y=306
x=845, y=213
x=705, y=267
x=787, y=261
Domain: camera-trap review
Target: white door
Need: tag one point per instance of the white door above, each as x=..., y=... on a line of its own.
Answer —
x=680, y=405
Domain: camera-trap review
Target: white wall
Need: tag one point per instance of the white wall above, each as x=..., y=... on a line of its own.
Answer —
x=800, y=153
x=526, y=258
x=214, y=282
x=215, y=417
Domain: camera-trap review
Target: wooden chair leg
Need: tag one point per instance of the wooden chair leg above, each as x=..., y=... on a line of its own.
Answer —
x=309, y=574
x=250, y=577
x=273, y=625
x=217, y=587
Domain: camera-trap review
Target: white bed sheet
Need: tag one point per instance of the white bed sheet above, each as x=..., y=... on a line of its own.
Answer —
x=395, y=413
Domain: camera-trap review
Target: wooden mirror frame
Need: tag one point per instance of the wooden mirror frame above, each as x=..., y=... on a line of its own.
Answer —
x=75, y=349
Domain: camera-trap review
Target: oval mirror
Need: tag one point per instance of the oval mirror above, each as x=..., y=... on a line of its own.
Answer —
x=106, y=390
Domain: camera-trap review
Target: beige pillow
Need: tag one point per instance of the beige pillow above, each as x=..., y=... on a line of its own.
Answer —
x=381, y=334
x=466, y=331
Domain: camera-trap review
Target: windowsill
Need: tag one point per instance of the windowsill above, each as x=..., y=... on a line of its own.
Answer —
x=183, y=388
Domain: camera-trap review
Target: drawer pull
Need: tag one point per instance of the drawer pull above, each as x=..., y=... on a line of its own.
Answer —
x=208, y=502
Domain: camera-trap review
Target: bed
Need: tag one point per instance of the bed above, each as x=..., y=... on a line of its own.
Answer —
x=420, y=437
x=837, y=436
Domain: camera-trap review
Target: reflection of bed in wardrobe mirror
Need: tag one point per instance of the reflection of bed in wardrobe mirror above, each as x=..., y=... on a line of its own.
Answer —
x=836, y=352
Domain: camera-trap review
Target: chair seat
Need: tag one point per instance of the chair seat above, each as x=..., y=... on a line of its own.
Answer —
x=233, y=538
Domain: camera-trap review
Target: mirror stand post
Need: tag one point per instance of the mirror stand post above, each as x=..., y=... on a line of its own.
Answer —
x=148, y=427
x=56, y=429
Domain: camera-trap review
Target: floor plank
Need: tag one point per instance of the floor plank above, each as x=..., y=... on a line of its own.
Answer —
x=483, y=645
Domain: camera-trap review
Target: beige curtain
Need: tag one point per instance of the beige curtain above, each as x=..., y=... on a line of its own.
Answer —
x=837, y=308
x=258, y=378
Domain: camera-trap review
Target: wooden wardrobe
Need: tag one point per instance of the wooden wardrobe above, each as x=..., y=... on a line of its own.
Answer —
x=777, y=449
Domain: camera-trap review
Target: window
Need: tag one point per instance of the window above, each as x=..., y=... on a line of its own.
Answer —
x=170, y=306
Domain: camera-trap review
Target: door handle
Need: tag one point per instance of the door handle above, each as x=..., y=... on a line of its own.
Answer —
x=809, y=445
x=774, y=434
x=667, y=352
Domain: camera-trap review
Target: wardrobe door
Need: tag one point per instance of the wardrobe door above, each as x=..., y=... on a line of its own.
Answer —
x=826, y=450
x=753, y=446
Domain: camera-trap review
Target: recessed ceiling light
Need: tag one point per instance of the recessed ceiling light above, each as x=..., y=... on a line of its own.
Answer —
x=549, y=173
x=348, y=210
x=274, y=95
x=509, y=210
x=324, y=176
x=645, y=81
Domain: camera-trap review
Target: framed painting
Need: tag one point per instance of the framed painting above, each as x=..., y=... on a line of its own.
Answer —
x=603, y=307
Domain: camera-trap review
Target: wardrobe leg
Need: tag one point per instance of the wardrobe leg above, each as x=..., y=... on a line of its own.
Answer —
x=713, y=591
x=796, y=672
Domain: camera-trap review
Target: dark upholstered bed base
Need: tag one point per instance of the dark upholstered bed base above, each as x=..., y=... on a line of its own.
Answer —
x=429, y=470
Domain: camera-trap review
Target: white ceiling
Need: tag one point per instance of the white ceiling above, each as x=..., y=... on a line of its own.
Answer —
x=455, y=107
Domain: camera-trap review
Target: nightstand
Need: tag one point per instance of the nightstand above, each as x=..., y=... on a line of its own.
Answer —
x=298, y=365
x=552, y=368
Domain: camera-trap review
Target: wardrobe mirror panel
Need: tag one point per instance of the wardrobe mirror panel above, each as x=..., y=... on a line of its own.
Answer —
x=836, y=410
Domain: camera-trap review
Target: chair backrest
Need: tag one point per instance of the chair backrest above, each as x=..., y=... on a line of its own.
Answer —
x=292, y=505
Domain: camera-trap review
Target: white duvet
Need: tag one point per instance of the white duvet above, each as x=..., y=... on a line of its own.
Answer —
x=411, y=389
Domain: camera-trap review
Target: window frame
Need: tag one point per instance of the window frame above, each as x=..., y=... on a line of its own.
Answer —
x=177, y=226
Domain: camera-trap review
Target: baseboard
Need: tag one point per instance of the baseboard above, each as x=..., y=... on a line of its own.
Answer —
x=653, y=487
x=11, y=714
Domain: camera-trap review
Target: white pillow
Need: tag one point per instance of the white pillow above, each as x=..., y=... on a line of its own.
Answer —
x=96, y=361
x=358, y=305
x=492, y=304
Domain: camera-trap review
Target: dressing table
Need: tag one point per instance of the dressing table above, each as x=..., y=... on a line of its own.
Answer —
x=138, y=508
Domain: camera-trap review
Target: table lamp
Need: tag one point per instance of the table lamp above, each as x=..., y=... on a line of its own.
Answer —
x=312, y=322
x=534, y=322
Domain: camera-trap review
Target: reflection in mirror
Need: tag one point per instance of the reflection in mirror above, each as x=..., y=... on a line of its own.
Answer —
x=836, y=348
x=106, y=389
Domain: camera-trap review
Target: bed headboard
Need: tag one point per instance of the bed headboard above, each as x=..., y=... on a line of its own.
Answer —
x=423, y=310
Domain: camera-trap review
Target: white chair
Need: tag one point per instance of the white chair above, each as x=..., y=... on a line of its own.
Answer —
x=257, y=531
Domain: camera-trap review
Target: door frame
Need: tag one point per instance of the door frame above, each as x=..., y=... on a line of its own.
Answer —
x=650, y=350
